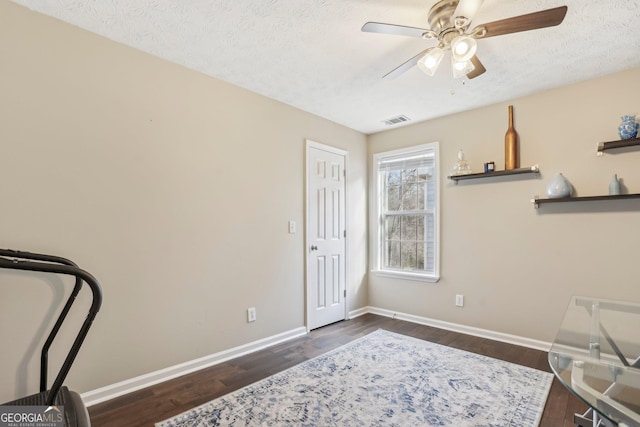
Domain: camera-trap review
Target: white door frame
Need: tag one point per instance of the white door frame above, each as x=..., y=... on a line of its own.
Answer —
x=338, y=151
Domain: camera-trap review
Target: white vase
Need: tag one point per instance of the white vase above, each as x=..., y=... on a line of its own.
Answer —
x=559, y=187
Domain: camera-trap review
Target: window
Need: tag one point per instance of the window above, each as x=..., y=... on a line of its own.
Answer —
x=407, y=204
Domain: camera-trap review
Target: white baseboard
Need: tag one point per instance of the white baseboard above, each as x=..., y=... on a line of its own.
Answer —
x=463, y=329
x=124, y=387
x=359, y=312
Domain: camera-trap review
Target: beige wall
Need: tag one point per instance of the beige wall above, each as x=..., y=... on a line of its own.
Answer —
x=174, y=189
x=517, y=266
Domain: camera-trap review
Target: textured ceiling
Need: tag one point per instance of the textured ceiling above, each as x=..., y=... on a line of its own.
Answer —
x=312, y=55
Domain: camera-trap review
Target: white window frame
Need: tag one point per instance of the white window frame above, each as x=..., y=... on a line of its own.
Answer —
x=378, y=201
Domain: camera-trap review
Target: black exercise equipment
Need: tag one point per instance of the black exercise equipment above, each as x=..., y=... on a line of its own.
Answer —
x=76, y=414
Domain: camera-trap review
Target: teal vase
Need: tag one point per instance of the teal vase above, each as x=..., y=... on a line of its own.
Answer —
x=614, y=186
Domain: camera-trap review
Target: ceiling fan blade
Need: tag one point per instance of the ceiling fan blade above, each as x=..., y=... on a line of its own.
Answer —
x=406, y=66
x=531, y=21
x=398, y=30
x=478, y=70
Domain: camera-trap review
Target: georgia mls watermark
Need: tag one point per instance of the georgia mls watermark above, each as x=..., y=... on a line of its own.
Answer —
x=32, y=416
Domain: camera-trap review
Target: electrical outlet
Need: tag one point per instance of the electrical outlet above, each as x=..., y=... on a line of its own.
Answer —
x=251, y=314
x=460, y=300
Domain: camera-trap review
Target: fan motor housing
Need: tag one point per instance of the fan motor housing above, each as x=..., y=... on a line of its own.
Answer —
x=441, y=15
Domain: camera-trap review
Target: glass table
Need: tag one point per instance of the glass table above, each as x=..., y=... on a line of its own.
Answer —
x=596, y=355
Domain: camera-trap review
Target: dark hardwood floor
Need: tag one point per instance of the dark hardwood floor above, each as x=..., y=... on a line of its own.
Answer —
x=148, y=406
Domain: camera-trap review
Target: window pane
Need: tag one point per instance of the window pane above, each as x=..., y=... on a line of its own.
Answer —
x=408, y=254
x=393, y=198
x=410, y=196
x=393, y=177
x=420, y=256
x=429, y=260
x=408, y=228
x=420, y=228
x=431, y=194
x=430, y=234
x=392, y=254
x=409, y=175
x=422, y=189
x=409, y=210
x=424, y=173
x=392, y=224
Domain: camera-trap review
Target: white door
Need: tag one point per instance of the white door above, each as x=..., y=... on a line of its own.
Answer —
x=326, y=235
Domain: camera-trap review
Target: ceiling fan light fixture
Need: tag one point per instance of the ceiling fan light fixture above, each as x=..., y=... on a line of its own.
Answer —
x=449, y=23
x=431, y=60
x=467, y=9
x=463, y=48
x=461, y=68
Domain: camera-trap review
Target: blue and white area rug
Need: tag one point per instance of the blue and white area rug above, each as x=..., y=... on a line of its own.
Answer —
x=384, y=379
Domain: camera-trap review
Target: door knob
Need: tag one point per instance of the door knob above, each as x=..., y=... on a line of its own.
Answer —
x=314, y=248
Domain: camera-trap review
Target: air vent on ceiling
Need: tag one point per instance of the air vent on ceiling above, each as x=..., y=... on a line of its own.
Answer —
x=396, y=120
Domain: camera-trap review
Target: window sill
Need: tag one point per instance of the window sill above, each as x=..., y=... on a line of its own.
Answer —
x=406, y=275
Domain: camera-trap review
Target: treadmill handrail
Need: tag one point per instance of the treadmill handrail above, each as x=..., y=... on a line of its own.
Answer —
x=66, y=269
x=44, y=355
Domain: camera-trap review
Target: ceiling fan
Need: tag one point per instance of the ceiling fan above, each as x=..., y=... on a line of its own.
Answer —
x=449, y=24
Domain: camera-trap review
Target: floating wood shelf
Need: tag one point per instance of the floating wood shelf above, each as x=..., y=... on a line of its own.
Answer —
x=536, y=202
x=604, y=146
x=520, y=171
